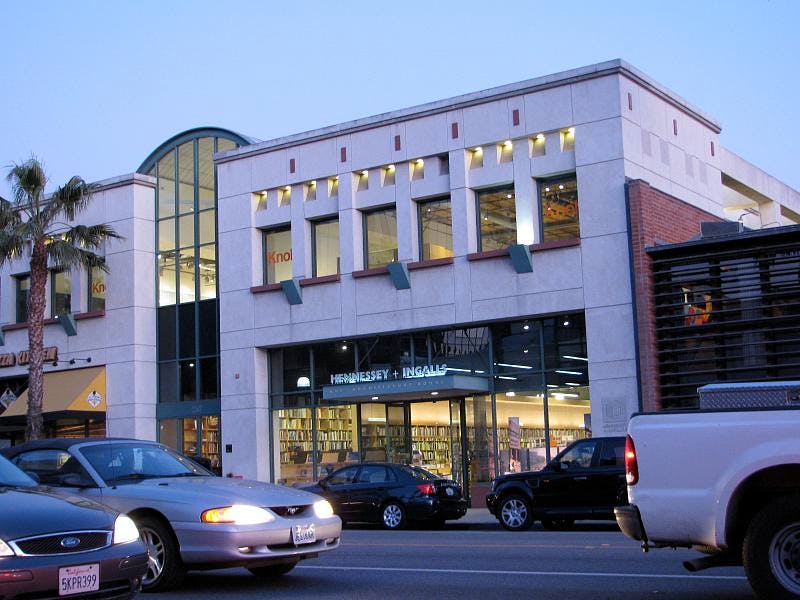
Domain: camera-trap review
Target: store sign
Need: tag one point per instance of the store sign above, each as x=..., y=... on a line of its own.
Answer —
x=389, y=374
x=23, y=357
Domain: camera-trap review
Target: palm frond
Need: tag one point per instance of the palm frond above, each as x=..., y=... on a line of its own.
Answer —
x=27, y=180
x=9, y=215
x=66, y=256
x=70, y=199
x=90, y=237
x=11, y=246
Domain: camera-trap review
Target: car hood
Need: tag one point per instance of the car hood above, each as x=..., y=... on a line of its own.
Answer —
x=212, y=492
x=48, y=512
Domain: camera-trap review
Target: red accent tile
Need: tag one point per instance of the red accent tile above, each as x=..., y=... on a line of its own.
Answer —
x=712, y=148
x=675, y=126
x=343, y=154
x=630, y=101
x=291, y=165
x=454, y=130
x=515, y=117
x=397, y=142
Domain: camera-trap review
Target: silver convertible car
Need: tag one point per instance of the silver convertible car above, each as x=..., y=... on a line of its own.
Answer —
x=188, y=517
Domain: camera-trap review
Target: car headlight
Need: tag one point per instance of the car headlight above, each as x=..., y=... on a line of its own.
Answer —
x=238, y=514
x=5, y=549
x=125, y=530
x=323, y=509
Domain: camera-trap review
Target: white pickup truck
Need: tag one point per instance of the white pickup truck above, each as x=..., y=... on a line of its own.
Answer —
x=724, y=481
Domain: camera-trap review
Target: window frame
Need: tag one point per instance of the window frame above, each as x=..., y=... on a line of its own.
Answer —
x=490, y=190
x=18, y=279
x=265, y=248
x=314, y=224
x=540, y=183
x=420, y=206
x=53, y=274
x=89, y=284
x=364, y=232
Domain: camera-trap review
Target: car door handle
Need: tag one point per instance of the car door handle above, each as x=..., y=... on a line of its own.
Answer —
x=584, y=478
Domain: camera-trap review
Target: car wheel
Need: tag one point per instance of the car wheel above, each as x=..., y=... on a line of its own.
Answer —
x=771, y=551
x=557, y=523
x=393, y=516
x=272, y=571
x=515, y=513
x=165, y=571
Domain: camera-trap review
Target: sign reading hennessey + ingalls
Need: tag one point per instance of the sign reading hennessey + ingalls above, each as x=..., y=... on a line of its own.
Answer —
x=389, y=374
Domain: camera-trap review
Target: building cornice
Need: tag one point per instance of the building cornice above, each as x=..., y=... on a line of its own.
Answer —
x=604, y=69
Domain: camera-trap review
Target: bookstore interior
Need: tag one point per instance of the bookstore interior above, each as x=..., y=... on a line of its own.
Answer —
x=464, y=403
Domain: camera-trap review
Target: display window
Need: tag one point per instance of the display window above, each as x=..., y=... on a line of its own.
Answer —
x=558, y=199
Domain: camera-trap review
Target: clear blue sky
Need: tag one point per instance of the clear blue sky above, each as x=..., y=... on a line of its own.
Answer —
x=93, y=87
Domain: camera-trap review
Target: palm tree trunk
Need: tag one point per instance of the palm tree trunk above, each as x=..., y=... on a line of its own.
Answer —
x=36, y=307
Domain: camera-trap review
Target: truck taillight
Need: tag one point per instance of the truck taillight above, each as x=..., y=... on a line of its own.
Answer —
x=631, y=464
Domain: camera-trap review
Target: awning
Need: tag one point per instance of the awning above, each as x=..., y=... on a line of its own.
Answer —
x=78, y=390
x=445, y=386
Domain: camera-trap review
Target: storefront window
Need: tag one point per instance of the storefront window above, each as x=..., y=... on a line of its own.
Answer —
x=166, y=278
x=97, y=289
x=293, y=428
x=435, y=229
x=290, y=369
x=325, y=240
x=559, y=205
x=337, y=437
x=384, y=352
x=61, y=293
x=497, y=219
x=463, y=350
x=166, y=185
x=332, y=358
x=23, y=292
x=380, y=237
x=277, y=255
x=207, y=271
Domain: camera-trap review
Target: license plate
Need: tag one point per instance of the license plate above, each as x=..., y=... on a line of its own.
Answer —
x=79, y=579
x=303, y=534
x=449, y=491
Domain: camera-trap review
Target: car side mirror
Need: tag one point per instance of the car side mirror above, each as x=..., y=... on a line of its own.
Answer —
x=75, y=480
x=323, y=483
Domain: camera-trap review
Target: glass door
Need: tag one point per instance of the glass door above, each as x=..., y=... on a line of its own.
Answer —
x=373, y=432
x=458, y=452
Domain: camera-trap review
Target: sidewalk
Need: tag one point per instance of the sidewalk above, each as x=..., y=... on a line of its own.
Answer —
x=477, y=516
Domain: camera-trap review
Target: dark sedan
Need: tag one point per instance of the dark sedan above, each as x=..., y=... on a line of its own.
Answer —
x=391, y=495
x=55, y=546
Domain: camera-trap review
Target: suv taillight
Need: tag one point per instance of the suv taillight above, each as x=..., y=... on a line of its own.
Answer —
x=427, y=489
x=631, y=464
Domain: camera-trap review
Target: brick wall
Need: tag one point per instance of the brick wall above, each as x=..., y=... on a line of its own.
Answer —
x=655, y=216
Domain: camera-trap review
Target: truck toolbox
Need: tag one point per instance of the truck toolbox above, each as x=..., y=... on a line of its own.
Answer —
x=768, y=394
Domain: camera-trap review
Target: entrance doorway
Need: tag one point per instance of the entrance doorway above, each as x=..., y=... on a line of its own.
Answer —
x=428, y=434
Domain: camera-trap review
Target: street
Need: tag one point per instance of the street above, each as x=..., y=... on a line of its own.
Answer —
x=480, y=560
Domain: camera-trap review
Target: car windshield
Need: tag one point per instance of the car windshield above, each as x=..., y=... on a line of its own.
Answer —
x=11, y=475
x=131, y=462
x=419, y=473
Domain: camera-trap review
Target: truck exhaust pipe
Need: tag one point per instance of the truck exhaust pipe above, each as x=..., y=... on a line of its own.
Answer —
x=707, y=562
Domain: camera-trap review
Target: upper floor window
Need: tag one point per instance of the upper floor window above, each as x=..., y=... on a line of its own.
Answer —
x=435, y=229
x=23, y=292
x=559, y=206
x=325, y=241
x=497, y=216
x=61, y=293
x=380, y=237
x=97, y=289
x=277, y=255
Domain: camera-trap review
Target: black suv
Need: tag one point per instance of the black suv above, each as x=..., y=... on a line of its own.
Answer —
x=584, y=481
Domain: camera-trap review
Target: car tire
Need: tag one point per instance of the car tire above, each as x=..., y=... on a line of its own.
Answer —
x=514, y=513
x=272, y=571
x=770, y=550
x=557, y=523
x=393, y=515
x=165, y=570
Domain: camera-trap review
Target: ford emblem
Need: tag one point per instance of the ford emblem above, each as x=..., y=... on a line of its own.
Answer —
x=70, y=542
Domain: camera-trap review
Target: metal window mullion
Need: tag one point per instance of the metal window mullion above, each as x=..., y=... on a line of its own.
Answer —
x=545, y=399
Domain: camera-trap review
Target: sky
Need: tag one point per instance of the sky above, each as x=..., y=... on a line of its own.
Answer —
x=92, y=87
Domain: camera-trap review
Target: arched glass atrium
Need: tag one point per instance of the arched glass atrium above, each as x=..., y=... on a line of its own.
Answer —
x=185, y=210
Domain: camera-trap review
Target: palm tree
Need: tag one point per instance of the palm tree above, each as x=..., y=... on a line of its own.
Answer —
x=33, y=224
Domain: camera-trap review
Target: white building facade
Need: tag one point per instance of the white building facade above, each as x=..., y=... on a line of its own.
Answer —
x=448, y=285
